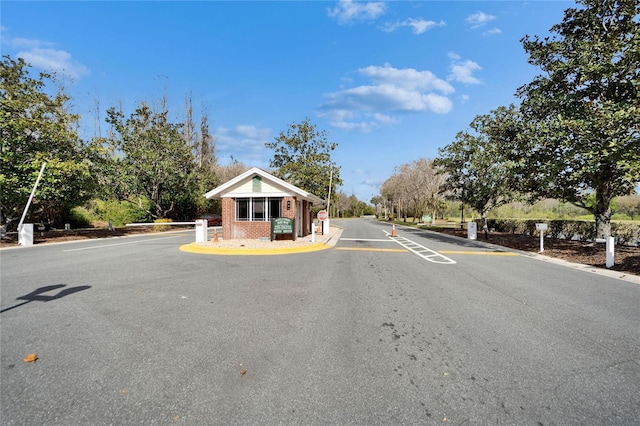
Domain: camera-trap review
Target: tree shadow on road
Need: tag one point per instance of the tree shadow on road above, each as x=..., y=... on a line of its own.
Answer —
x=38, y=296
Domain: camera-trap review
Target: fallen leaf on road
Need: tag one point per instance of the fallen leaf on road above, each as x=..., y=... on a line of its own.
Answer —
x=243, y=372
x=30, y=358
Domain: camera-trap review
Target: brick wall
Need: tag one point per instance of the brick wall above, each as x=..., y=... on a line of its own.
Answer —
x=251, y=230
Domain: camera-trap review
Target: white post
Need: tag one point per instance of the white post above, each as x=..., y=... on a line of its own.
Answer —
x=610, y=251
x=313, y=232
x=201, y=231
x=542, y=227
x=26, y=209
x=25, y=235
x=472, y=231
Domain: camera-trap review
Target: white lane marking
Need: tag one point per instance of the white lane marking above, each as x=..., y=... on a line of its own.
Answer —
x=422, y=251
x=120, y=244
x=366, y=239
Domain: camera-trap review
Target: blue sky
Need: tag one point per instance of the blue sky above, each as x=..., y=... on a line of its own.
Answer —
x=390, y=82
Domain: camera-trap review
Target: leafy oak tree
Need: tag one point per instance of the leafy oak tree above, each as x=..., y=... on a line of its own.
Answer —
x=150, y=158
x=478, y=165
x=582, y=115
x=35, y=128
x=302, y=157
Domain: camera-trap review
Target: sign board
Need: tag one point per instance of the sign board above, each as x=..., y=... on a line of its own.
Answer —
x=322, y=215
x=281, y=226
x=541, y=226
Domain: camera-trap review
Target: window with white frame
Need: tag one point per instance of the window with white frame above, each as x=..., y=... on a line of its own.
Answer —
x=258, y=209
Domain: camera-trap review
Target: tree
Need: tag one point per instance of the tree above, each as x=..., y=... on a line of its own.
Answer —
x=422, y=183
x=629, y=205
x=378, y=204
x=302, y=157
x=340, y=208
x=225, y=173
x=202, y=145
x=477, y=163
x=392, y=191
x=582, y=116
x=152, y=160
x=34, y=128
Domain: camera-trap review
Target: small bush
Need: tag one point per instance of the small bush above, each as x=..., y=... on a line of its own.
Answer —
x=626, y=233
x=621, y=216
x=162, y=227
x=81, y=217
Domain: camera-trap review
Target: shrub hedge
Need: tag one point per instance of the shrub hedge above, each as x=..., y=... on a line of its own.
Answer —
x=625, y=233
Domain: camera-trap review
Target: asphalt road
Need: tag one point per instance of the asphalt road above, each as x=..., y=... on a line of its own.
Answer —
x=431, y=331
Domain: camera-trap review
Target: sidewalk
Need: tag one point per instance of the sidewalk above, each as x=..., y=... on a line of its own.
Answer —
x=252, y=247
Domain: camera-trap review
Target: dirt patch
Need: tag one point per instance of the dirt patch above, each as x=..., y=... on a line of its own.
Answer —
x=627, y=259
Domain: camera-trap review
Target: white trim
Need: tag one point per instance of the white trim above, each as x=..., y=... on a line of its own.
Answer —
x=225, y=188
x=267, y=209
x=257, y=195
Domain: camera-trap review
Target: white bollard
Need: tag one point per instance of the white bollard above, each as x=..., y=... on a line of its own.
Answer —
x=472, y=231
x=610, y=251
x=313, y=232
x=25, y=235
x=201, y=231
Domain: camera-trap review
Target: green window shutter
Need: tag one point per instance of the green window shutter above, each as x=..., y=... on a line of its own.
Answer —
x=257, y=184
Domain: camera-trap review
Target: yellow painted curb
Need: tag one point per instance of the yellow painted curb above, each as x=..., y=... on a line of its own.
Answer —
x=195, y=248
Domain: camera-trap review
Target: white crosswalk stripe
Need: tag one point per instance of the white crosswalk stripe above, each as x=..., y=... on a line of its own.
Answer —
x=422, y=251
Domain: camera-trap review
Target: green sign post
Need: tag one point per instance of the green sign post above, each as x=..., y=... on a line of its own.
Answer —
x=282, y=226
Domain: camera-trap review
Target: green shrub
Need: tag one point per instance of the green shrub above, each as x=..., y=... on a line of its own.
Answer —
x=100, y=212
x=119, y=213
x=621, y=216
x=557, y=228
x=162, y=227
x=81, y=217
x=626, y=233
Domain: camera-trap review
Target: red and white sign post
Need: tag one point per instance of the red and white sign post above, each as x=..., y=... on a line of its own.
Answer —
x=323, y=217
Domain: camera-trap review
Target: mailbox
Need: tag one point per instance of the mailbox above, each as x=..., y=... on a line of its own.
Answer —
x=541, y=226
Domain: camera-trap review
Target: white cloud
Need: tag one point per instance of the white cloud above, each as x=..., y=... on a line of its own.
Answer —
x=417, y=25
x=245, y=143
x=392, y=91
x=348, y=11
x=492, y=31
x=42, y=55
x=407, y=78
x=479, y=19
x=25, y=43
x=54, y=60
x=462, y=71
